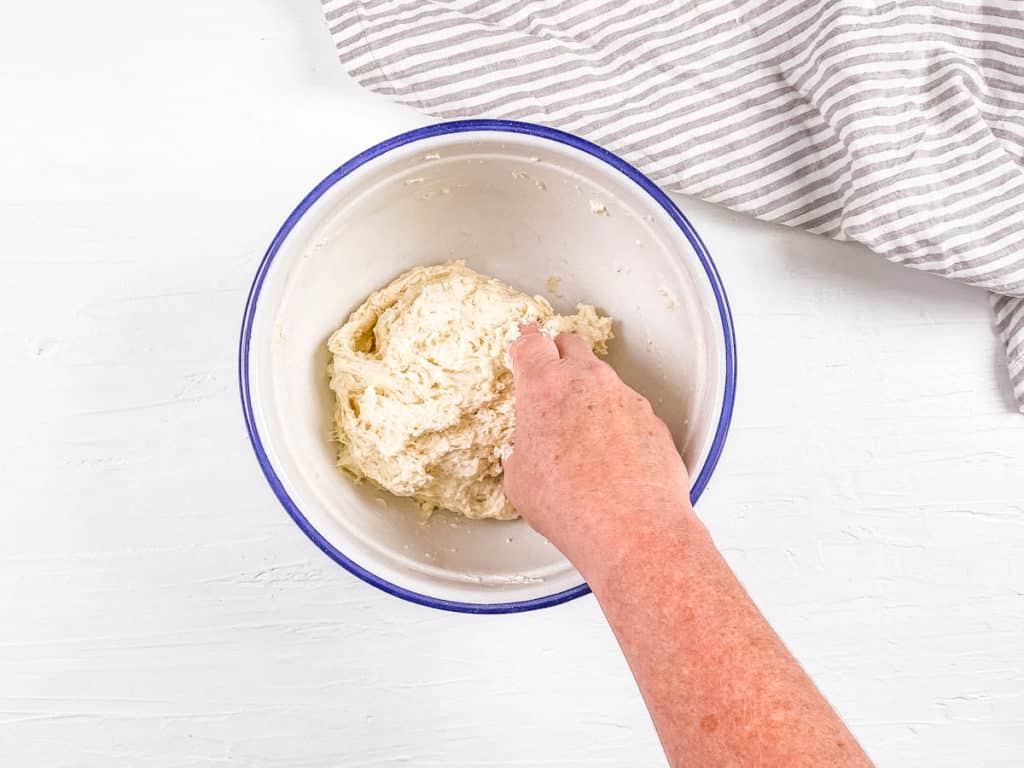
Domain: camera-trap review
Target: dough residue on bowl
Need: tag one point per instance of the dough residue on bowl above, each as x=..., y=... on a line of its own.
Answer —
x=425, y=396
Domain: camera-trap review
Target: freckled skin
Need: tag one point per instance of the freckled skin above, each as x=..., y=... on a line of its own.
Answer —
x=596, y=472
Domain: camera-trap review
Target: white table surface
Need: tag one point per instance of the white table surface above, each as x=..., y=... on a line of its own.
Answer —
x=160, y=609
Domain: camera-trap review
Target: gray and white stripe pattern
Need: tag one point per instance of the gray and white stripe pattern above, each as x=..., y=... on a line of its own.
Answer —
x=898, y=124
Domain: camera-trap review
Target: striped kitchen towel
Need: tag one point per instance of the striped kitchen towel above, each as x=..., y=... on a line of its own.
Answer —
x=898, y=124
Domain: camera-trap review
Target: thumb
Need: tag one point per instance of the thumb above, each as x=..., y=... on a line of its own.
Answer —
x=531, y=351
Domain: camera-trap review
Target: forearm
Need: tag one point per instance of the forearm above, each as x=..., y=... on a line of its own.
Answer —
x=721, y=687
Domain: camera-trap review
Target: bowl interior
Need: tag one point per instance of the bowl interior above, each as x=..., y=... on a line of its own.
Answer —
x=547, y=218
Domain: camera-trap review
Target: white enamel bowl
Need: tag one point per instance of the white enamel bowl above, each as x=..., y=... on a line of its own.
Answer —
x=537, y=208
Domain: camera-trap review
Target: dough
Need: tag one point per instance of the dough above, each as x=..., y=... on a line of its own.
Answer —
x=424, y=387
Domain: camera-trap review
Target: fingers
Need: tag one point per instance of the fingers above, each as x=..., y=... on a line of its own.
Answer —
x=531, y=351
x=574, y=346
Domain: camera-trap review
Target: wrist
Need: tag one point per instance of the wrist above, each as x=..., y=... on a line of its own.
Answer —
x=604, y=542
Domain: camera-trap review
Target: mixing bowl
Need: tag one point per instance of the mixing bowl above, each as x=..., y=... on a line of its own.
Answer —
x=543, y=210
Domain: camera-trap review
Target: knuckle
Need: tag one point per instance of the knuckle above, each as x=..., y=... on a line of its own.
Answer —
x=601, y=370
x=550, y=375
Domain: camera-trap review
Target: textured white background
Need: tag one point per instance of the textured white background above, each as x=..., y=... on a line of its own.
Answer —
x=158, y=608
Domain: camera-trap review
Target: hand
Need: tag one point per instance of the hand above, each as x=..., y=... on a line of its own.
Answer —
x=594, y=470
x=586, y=446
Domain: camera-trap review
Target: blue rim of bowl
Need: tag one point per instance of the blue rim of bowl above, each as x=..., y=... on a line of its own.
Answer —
x=440, y=129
